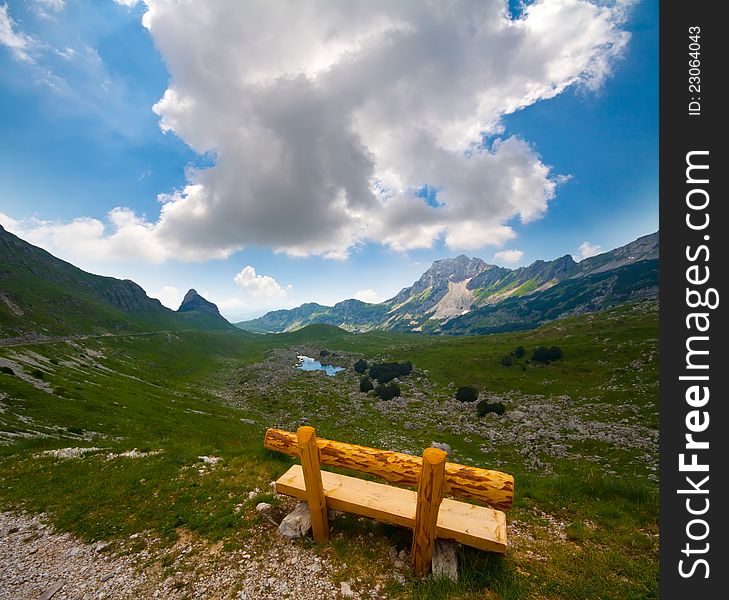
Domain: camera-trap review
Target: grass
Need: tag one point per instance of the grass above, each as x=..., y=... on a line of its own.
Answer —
x=586, y=528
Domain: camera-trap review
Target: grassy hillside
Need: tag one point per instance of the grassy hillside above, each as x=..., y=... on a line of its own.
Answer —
x=579, y=434
x=43, y=295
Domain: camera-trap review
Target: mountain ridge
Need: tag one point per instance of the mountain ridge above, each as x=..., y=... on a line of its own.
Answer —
x=43, y=294
x=451, y=288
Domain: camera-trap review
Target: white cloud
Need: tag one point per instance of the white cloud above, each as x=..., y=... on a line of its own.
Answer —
x=128, y=3
x=122, y=237
x=509, y=256
x=45, y=8
x=19, y=44
x=363, y=99
x=170, y=296
x=368, y=295
x=261, y=287
x=586, y=250
x=322, y=142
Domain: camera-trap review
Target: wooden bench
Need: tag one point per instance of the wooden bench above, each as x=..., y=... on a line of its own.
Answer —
x=426, y=511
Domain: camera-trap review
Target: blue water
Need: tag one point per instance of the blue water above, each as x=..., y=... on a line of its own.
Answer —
x=307, y=363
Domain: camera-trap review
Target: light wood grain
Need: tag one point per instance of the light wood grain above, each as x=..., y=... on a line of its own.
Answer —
x=483, y=485
x=430, y=495
x=476, y=526
x=313, y=485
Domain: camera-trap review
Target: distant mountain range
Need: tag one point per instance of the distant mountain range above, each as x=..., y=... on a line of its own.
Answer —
x=44, y=295
x=467, y=295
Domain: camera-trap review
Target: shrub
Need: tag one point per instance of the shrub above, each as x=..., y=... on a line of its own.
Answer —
x=76, y=430
x=519, y=351
x=365, y=385
x=324, y=353
x=37, y=373
x=484, y=407
x=384, y=372
x=360, y=366
x=555, y=353
x=7, y=370
x=387, y=392
x=466, y=394
x=544, y=355
x=507, y=361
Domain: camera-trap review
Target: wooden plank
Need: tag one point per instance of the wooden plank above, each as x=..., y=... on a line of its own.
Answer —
x=312, y=479
x=477, y=526
x=483, y=485
x=430, y=495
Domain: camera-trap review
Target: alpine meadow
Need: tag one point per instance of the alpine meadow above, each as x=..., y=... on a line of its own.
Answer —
x=329, y=300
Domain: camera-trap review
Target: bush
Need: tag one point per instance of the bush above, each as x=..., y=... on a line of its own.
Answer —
x=484, y=407
x=507, y=361
x=384, y=372
x=467, y=394
x=555, y=353
x=37, y=373
x=519, y=351
x=360, y=366
x=324, y=353
x=365, y=385
x=387, y=392
x=7, y=370
x=544, y=355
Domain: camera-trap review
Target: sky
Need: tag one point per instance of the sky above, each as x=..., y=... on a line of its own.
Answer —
x=273, y=153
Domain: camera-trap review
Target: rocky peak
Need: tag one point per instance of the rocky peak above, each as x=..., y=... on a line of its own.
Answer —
x=194, y=301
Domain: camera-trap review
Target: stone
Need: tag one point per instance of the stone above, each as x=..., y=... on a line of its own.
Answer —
x=263, y=507
x=297, y=523
x=346, y=590
x=51, y=591
x=441, y=446
x=445, y=562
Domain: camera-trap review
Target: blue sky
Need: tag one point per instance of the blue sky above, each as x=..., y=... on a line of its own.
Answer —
x=268, y=160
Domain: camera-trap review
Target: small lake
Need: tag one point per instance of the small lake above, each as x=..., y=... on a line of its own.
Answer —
x=306, y=363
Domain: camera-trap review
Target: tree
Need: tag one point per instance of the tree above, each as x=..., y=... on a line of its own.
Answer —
x=507, y=361
x=544, y=355
x=555, y=353
x=519, y=352
x=484, y=407
x=466, y=394
x=387, y=392
x=324, y=353
x=384, y=372
x=360, y=366
x=365, y=384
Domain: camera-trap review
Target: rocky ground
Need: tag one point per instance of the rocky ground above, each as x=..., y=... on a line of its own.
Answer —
x=38, y=562
x=542, y=427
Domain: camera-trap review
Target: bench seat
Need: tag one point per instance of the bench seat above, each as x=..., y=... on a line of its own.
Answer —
x=477, y=526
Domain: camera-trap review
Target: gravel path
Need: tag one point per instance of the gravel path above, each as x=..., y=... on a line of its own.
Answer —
x=39, y=563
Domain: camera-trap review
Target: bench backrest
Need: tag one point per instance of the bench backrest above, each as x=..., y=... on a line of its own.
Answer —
x=493, y=488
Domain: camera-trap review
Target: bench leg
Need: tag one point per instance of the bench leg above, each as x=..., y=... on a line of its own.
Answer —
x=312, y=479
x=430, y=494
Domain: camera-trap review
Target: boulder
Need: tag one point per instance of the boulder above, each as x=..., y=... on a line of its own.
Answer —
x=297, y=523
x=445, y=561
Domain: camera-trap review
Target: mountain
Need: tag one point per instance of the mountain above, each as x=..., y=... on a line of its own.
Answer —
x=44, y=295
x=196, y=310
x=464, y=290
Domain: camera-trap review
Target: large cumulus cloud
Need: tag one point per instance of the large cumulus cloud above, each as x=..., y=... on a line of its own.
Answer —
x=325, y=118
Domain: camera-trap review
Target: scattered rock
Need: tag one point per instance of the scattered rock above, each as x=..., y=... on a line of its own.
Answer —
x=346, y=590
x=297, y=523
x=445, y=561
x=263, y=507
x=51, y=591
x=441, y=446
